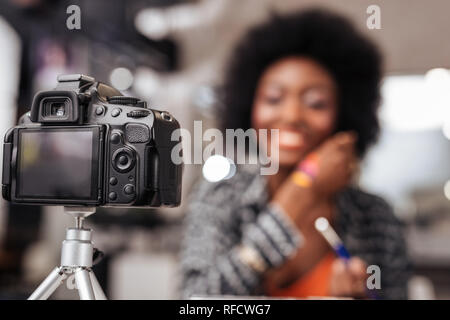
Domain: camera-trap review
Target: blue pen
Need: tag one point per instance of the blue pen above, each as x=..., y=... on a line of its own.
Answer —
x=323, y=226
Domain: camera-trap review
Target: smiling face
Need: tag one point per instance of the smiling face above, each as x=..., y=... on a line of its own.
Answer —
x=297, y=96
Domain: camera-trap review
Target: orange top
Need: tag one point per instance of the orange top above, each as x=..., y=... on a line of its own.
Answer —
x=314, y=283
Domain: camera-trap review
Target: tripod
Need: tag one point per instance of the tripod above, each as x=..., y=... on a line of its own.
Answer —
x=76, y=259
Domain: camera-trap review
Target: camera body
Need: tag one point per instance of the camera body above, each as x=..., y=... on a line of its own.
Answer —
x=84, y=143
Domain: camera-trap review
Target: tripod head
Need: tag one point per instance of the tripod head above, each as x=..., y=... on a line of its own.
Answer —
x=79, y=213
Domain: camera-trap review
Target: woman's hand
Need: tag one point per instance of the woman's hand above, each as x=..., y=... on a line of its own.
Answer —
x=336, y=162
x=348, y=278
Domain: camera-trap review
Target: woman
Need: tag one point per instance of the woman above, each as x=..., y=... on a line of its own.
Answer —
x=313, y=77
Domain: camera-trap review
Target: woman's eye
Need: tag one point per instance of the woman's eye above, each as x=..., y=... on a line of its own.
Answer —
x=272, y=100
x=318, y=105
x=315, y=99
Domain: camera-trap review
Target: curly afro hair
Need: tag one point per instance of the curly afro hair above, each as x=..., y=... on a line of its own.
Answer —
x=329, y=39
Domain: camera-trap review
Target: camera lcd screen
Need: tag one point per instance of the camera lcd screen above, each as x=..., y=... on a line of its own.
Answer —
x=58, y=163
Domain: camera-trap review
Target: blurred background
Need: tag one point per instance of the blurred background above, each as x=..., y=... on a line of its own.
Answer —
x=172, y=53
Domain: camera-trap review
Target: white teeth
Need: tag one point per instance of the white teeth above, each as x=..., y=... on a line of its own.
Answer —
x=289, y=138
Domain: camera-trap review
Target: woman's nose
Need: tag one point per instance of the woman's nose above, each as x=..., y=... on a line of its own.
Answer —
x=293, y=111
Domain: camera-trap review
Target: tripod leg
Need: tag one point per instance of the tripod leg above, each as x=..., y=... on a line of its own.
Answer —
x=49, y=285
x=98, y=291
x=84, y=285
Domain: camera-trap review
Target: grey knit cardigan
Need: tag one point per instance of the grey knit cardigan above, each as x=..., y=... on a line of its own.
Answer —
x=225, y=216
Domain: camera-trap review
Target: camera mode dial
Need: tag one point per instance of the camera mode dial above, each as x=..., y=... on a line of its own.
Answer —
x=132, y=101
x=123, y=100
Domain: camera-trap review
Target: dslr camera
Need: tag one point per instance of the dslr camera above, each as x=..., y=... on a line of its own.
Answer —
x=84, y=143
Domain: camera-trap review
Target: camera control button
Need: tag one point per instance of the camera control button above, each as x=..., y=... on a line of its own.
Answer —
x=112, y=196
x=128, y=189
x=138, y=113
x=115, y=112
x=166, y=116
x=113, y=181
x=115, y=138
x=123, y=160
x=99, y=111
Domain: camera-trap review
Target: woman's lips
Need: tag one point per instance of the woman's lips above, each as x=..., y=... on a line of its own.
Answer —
x=290, y=139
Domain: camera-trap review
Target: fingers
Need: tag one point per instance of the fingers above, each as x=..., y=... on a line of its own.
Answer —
x=346, y=142
x=348, y=278
x=341, y=141
x=345, y=138
x=340, y=284
x=357, y=267
x=357, y=270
